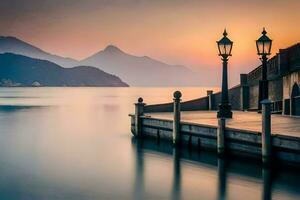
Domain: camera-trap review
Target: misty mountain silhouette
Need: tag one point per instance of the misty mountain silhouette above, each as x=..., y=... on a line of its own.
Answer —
x=17, y=46
x=141, y=71
x=134, y=70
x=19, y=70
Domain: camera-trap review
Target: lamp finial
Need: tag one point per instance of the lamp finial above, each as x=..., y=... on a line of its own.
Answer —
x=225, y=33
x=264, y=32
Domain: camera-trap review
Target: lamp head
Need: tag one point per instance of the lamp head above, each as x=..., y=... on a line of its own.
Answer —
x=225, y=45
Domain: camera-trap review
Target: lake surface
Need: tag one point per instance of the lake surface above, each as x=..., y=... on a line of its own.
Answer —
x=75, y=143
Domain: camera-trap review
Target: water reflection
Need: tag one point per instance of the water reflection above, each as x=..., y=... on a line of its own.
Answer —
x=13, y=108
x=75, y=143
x=176, y=185
x=234, y=178
x=267, y=183
x=139, y=170
x=221, y=179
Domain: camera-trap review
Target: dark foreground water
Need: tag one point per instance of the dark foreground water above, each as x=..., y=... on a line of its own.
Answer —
x=75, y=143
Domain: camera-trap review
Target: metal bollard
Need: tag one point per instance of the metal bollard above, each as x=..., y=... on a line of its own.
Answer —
x=266, y=131
x=176, y=120
x=139, y=111
x=221, y=135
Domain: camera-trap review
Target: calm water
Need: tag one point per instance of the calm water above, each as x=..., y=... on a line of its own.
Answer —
x=75, y=143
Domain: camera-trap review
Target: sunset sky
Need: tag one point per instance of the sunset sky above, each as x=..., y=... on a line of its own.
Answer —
x=173, y=31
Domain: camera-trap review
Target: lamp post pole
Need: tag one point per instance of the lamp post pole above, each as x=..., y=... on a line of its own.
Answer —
x=224, y=107
x=225, y=83
x=263, y=83
x=225, y=47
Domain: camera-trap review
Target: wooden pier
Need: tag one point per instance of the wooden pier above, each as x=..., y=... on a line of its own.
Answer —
x=243, y=135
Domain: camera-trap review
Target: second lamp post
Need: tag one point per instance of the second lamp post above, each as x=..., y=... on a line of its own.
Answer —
x=263, y=45
x=224, y=47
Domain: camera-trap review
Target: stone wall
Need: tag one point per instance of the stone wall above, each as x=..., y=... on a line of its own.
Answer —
x=216, y=100
x=290, y=59
x=192, y=105
x=275, y=93
x=165, y=107
x=275, y=90
x=288, y=82
x=234, y=97
x=253, y=97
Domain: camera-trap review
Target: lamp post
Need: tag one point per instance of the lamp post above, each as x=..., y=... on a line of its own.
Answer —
x=224, y=47
x=263, y=45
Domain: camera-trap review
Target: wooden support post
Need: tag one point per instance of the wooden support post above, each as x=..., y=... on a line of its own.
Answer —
x=210, y=99
x=266, y=131
x=176, y=120
x=139, y=111
x=221, y=136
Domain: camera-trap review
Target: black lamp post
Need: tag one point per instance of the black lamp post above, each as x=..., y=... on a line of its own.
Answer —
x=224, y=47
x=263, y=45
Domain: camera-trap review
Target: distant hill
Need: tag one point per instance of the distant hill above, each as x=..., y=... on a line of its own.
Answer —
x=134, y=70
x=17, y=46
x=18, y=70
x=142, y=71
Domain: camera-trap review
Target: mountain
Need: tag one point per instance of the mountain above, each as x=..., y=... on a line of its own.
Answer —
x=17, y=46
x=134, y=70
x=19, y=70
x=141, y=71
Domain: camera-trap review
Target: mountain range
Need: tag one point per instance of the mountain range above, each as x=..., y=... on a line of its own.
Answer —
x=141, y=71
x=17, y=46
x=19, y=70
x=134, y=70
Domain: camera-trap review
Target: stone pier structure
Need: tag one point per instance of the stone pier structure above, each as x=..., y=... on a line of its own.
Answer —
x=241, y=135
x=274, y=134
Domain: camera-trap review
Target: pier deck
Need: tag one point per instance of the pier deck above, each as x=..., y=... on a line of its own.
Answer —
x=251, y=121
x=243, y=133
